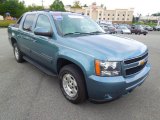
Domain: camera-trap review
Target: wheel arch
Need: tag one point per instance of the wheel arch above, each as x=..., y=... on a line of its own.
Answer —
x=13, y=40
x=62, y=61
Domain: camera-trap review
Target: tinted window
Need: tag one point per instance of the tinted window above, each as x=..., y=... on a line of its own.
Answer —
x=28, y=22
x=43, y=22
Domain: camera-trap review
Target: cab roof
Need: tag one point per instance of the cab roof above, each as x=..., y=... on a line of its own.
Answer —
x=52, y=12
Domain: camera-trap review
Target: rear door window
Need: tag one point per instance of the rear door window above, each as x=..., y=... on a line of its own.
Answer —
x=28, y=22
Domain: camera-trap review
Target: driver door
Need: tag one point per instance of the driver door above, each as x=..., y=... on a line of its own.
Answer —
x=44, y=49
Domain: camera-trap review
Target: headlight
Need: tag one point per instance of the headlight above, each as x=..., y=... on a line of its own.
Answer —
x=107, y=68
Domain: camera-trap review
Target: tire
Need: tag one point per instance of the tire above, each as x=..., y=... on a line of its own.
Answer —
x=72, y=73
x=144, y=34
x=17, y=53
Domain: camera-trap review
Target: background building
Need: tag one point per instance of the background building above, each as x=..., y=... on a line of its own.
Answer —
x=102, y=13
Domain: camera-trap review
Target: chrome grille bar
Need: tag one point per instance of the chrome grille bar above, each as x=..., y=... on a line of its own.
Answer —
x=133, y=66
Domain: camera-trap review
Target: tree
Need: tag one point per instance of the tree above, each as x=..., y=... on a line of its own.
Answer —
x=76, y=4
x=133, y=19
x=57, y=6
x=85, y=5
x=33, y=7
x=156, y=14
x=2, y=1
x=102, y=5
x=14, y=7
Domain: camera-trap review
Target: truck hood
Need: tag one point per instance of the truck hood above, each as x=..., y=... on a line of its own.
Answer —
x=107, y=47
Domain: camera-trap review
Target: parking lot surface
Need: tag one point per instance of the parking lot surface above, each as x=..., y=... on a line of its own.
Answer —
x=26, y=93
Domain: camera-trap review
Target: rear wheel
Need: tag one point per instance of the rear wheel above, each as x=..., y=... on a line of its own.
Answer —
x=72, y=84
x=17, y=53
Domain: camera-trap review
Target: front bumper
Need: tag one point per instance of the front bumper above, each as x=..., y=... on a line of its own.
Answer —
x=109, y=88
x=144, y=32
x=126, y=32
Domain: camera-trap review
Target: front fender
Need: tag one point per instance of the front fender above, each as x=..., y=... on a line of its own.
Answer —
x=84, y=61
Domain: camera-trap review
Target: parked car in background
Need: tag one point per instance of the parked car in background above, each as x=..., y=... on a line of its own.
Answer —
x=128, y=26
x=108, y=28
x=149, y=28
x=111, y=29
x=115, y=25
x=156, y=28
x=123, y=30
x=138, y=29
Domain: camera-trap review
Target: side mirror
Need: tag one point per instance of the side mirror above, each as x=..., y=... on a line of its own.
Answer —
x=43, y=32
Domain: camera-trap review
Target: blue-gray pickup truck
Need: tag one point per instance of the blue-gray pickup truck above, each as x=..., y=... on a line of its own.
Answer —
x=89, y=63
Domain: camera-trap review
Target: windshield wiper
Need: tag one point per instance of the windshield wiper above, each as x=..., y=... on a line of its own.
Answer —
x=83, y=33
x=96, y=32
x=75, y=33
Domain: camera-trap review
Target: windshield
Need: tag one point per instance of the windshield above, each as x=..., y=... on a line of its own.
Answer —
x=75, y=24
x=141, y=27
x=123, y=27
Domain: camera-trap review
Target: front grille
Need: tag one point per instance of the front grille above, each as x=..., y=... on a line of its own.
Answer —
x=135, y=69
x=132, y=66
x=136, y=59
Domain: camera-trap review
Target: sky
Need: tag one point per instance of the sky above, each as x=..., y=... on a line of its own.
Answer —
x=143, y=7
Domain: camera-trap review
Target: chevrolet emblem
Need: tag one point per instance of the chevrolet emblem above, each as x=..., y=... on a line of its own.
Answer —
x=142, y=62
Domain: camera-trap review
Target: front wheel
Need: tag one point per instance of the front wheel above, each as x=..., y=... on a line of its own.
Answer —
x=72, y=84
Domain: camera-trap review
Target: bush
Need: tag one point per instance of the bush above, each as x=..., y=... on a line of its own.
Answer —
x=6, y=23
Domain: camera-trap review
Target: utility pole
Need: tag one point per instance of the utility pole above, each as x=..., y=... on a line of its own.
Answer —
x=42, y=3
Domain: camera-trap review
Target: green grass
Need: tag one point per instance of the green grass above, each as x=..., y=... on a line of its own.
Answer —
x=148, y=23
x=6, y=23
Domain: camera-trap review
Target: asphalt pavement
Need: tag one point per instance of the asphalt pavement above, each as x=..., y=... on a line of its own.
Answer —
x=26, y=93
